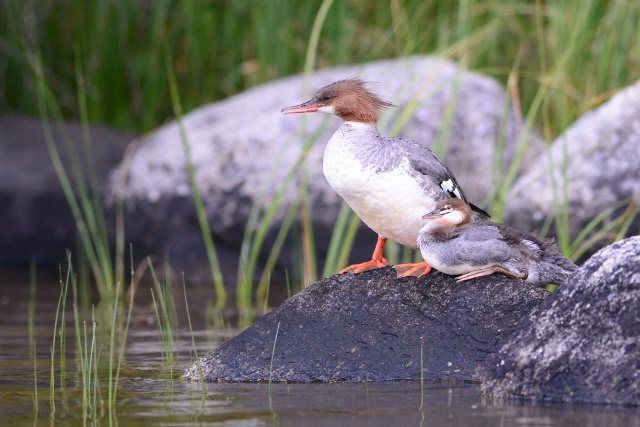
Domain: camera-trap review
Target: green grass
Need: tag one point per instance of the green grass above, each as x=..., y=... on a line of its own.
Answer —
x=132, y=292
x=219, y=49
x=193, y=340
x=86, y=357
x=133, y=66
x=84, y=201
x=80, y=393
x=112, y=346
x=214, y=264
x=162, y=298
x=52, y=384
x=273, y=352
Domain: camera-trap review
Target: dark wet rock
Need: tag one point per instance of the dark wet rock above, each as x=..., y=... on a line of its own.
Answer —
x=602, y=168
x=35, y=218
x=583, y=343
x=371, y=327
x=243, y=147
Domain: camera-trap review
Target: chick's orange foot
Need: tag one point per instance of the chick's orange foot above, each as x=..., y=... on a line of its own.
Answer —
x=419, y=269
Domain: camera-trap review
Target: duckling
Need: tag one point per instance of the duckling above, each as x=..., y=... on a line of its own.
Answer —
x=453, y=244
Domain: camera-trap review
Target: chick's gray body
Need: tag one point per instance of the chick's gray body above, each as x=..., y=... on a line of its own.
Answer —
x=482, y=244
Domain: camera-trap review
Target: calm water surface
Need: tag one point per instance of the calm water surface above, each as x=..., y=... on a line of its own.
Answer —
x=147, y=395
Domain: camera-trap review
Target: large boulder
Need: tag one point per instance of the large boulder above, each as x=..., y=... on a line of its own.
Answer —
x=373, y=326
x=243, y=150
x=599, y=155
x=583, y=343
x=35, y=218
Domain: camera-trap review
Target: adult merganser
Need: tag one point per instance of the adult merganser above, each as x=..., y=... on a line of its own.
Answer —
x=451, y=243
x=388, y=182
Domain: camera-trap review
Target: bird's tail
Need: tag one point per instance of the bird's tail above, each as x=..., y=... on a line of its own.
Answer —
x=558, y=268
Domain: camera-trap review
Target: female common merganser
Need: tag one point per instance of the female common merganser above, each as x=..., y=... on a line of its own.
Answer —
x=453, y=244
x=388, y=182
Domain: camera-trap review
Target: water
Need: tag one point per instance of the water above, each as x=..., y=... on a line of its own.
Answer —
x=147, y=395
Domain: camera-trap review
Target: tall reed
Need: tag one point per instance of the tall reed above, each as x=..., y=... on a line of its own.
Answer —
x=214, y=264
x=166, y=318
x=84, y=202
x=193, y=340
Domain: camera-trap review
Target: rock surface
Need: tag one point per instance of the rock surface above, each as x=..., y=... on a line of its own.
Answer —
x=602, y=168
x=243, y=147
x=583, y=343
x=35, y=218
x=371, y=327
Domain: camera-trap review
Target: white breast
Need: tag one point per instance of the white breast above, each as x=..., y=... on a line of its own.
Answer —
x=391, y=203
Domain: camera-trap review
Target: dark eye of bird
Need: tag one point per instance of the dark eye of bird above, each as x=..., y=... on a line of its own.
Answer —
x=326, y=97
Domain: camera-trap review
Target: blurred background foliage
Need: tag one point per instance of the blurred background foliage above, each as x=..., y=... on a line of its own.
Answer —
x=584, y=50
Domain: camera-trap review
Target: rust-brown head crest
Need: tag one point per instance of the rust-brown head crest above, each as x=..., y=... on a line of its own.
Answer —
x=349, y=99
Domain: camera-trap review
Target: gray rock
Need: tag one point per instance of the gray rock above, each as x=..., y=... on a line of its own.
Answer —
x=243, y=150
x=371, y=327
x=602, y=168
x=35, y=218
x=583, y=343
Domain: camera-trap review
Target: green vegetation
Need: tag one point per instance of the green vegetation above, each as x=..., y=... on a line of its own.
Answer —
x=85, y=385
x=132, y=292
x=87, y=355
x=583, y=51
x=193, y=340
x=216, y=273
x=166, y=319
x=134, y=66
x=273, y=352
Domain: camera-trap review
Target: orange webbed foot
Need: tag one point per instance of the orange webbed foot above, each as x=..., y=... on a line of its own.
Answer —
x=419, y=269
x=377, y=260
x=365, y=266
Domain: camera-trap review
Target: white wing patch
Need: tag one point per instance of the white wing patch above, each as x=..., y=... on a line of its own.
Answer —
x=448, y=186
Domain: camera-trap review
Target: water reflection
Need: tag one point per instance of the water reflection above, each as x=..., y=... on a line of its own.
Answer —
x=147, y=394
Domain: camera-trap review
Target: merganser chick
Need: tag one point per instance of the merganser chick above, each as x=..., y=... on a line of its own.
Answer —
x=454, y=245
x=388, y=182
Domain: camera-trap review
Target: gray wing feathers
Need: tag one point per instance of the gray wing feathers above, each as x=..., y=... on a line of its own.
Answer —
x=425, y=162
x=481, y=233
x=477, y=245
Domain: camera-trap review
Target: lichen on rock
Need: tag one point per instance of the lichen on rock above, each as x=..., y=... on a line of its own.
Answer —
x=583, y=343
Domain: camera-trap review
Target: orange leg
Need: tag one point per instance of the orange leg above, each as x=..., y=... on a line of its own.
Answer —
x=377, y=260
x=419, y=269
